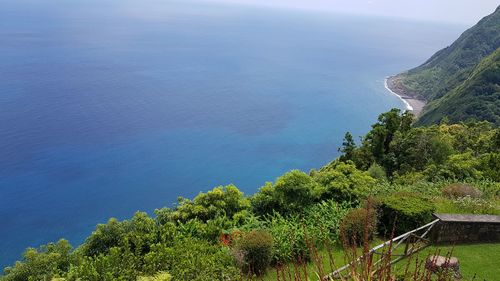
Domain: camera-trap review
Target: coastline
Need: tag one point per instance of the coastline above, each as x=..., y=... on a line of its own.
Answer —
x=412, y=102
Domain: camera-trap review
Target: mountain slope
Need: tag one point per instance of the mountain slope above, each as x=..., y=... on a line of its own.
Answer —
x=452, y=65
x=478, y=97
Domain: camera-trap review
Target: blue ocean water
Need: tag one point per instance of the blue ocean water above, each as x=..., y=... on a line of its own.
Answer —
x=112, y=106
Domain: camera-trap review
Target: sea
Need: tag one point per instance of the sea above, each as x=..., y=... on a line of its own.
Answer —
x=108, y=107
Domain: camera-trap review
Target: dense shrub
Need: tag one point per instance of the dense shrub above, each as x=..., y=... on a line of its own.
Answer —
x=290, y=194
x=225, y=201
x=359, y=225
x=44, y=263
x=377, y=172
x=404, y=211
x=319, y=225
x=253, y=251
x=459, y=190
x=104, y=237
x=323, y=221
x=344, y=182
x=289, y=239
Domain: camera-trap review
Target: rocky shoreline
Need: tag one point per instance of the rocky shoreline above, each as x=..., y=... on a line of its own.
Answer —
x=414, y=100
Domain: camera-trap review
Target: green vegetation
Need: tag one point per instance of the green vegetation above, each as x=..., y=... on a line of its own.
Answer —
x=253, y=251
x=358, y=225
x=461, y=81
x=478, y=97
x=297, y=220
x=404, y=211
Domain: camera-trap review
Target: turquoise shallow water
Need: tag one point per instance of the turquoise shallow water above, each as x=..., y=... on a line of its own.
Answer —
x=108, y=107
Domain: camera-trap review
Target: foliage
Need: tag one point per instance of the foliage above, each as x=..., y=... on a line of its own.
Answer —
x=221, y=201
x=404, y=211
x=253, y=251
x=48, y=261
x=292, y=193
x=184, y=259
x=343, y=182
x=457, y=167
x=348, y=147
x=289, y=238
x=319, y=224
x=359, y=225
x=377, y=142
x=104, y=238
x=457, y=152
x=194, y=259
x=377, y=172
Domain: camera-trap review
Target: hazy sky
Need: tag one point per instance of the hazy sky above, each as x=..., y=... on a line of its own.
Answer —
x=455, y=11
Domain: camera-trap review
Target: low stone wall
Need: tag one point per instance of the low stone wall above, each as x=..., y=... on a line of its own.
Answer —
x=463, y=229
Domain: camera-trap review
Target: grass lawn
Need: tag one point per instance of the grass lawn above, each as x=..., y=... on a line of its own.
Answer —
x=481, y=260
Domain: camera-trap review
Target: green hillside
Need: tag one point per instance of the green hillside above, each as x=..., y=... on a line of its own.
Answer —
x=452, y=65
x=478, y=97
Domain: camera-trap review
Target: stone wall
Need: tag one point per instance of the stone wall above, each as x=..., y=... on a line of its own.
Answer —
x=462, y=229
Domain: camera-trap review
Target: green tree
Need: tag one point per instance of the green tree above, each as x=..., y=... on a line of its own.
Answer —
x=221, y=201
x=44, y=263
x=291, y=193
x=105, y=237
x=348, y=147
x=343, y=181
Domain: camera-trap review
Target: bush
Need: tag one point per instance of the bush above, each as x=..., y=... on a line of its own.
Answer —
x=377, y=172
x=226, y=201
x=460, y=190
x=191, y=259
x=44, y=263
x=344, y=182
x=404, y=211
x=289, y=242
x=253, y=252
x=356, y=224
x=290, y=194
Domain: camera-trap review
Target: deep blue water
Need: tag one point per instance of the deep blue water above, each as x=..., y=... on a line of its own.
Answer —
x=108, y=107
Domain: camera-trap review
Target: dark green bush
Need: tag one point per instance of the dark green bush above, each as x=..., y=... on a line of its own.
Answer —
x=404, y=211
x=356, y=224
x=460, y=190
x=253, y=252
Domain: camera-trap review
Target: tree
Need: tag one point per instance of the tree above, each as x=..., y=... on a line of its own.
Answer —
x=104, y=237
x=343, y=181
x=221, y=201
x=348, y=147
x=291, y=193
x=44, y=263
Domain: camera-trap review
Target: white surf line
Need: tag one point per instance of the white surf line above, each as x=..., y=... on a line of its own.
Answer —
x=408, y=105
